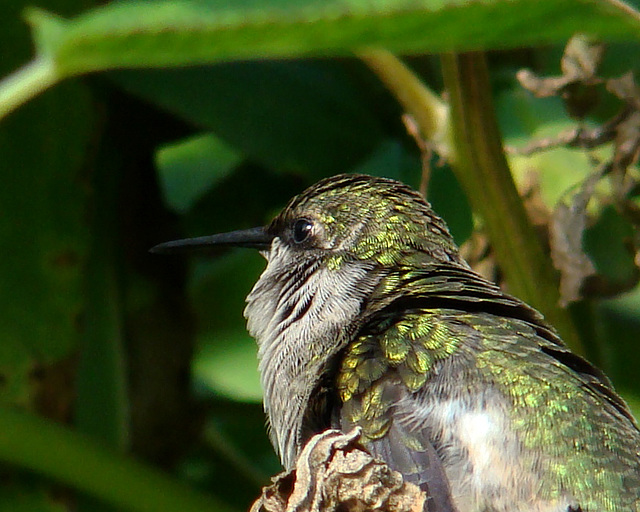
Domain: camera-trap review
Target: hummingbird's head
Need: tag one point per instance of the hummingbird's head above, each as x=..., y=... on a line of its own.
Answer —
x=351, y=217
x=342, y=219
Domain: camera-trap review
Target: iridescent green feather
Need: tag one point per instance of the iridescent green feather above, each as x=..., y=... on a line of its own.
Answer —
x=433, y=315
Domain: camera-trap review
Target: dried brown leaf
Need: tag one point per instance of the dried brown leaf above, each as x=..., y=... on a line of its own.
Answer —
x=581, y=59
x=625, y=88
x=542, y=87
x=335, y=473
x=566, y=230
x=577, y=84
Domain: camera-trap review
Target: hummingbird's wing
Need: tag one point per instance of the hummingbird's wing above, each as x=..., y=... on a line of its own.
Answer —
x=450, y=353
x=438, y=287
x=380, y=372
x=410, y=453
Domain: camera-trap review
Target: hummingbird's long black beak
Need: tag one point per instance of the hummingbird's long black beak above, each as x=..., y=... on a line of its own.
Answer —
x=254, y=238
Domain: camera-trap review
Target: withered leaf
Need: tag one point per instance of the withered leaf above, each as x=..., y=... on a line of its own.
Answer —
x=568, y=223
x=335, y=473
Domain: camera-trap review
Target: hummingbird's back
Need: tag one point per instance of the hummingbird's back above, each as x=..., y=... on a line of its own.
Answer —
x=517, y=421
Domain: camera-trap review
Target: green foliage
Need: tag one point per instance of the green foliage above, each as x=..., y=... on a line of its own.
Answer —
x=126, y=34
x=43, y=232
x=253, y=106
x=148, y=355
x=188, y=168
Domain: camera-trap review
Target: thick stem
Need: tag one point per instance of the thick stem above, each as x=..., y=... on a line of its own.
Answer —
x=482, y=169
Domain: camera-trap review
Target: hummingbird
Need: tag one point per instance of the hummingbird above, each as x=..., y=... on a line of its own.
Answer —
x=367, y=316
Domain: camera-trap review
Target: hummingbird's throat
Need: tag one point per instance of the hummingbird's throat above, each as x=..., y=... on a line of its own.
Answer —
x=301, y=312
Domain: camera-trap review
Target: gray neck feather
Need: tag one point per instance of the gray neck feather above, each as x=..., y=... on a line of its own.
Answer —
x=301, y=314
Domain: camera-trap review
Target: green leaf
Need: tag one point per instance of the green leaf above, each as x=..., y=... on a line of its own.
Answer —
x=250, y=196
x=188, y=168
x=49, y=34
x=187, y=32
x=179, y=32
x=226, y=360
x=227, y=363
x=43, y=233
x=218, y=287
x=289, y=116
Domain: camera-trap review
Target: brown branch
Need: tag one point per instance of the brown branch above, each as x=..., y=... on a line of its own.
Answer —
x=426, y=151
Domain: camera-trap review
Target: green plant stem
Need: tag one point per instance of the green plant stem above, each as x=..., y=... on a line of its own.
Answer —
x=483, y=172
x=430, y=113
x=102, y=400
x=72, y=459
x=26, y=83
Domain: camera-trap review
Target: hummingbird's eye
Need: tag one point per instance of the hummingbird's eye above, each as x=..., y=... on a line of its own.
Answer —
x=301, y=230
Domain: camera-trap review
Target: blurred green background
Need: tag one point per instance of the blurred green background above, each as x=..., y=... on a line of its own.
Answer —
x=148, y=355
